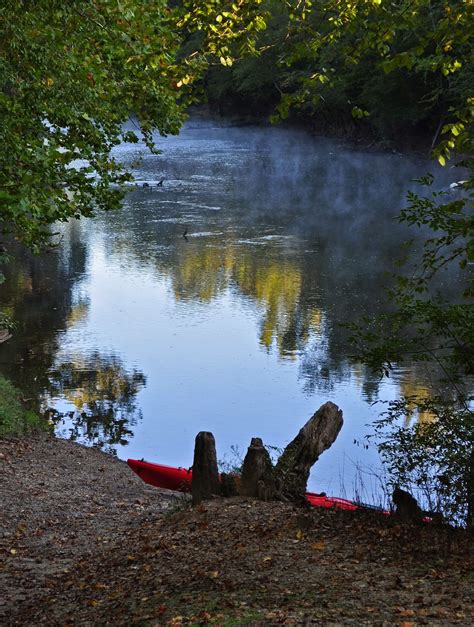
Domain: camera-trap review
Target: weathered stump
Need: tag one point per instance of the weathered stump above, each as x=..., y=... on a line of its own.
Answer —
x=205, y=482
x=257, y=472
x=406, y=505
x=294, y=465
x=259, y=479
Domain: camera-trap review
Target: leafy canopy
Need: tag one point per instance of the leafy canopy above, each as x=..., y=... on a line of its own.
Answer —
x=430, y=40
x=72, y=73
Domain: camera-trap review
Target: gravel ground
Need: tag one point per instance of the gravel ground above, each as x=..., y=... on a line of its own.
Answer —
x=60, y=502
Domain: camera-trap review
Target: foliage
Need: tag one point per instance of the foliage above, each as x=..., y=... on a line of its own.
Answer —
x=435, y=459
x=439, y=332
x=251, y=84
x=72, y=74
x=14, y=419
x=424, y=326
x=398, y=67
x=6, y=322
x=424, y=47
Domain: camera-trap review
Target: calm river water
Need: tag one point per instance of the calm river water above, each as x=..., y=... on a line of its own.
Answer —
x=142, y=336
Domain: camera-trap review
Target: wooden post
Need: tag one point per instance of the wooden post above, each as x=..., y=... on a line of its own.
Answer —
x=317, y=435
x=205, y=481
x=257, y=472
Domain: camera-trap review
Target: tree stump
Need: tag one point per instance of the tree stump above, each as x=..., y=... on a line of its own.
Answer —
x=294, y=465
x=205, y=482
x=286, y=481
x=406, y=505
x=257, y=472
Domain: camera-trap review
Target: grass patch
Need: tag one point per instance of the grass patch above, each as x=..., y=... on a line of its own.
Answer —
x=14, y=418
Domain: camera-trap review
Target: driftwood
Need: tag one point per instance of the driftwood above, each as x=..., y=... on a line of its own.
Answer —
x=294, y=465
x=257, y=472
x=205, y=482
x=286, y=481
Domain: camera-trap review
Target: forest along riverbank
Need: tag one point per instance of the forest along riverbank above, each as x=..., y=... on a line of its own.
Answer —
x=84, y=540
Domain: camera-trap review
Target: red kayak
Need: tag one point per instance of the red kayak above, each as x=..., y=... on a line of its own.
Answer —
x=180, y=479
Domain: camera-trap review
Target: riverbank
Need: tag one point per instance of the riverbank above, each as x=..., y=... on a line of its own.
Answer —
x=63, y=505
x=84, y=541
x=14, y=418
x=349, y=132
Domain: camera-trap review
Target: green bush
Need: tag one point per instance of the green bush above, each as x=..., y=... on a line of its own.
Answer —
x=14, y=419
x=435, y=458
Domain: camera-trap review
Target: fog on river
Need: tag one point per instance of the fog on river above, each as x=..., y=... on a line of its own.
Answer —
x=142, y=336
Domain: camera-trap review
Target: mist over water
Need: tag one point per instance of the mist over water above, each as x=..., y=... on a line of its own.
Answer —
x=215, y=302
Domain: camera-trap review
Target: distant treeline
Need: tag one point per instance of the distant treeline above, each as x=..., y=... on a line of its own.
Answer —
x=358, y=97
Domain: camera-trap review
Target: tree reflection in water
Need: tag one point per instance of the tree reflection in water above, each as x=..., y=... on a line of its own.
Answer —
x=103, y=394
x=41, y=294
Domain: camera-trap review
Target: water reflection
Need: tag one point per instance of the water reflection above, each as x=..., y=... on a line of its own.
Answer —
x=236, y=328
x=103, y=394
x=45, y=298
x=38, y=295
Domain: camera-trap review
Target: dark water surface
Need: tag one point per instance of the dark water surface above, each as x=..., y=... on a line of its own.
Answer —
x=146, y=337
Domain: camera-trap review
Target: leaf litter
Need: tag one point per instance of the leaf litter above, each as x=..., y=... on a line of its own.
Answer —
x=84, y=541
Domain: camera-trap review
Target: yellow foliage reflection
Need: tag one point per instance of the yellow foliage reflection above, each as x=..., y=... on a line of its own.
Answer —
x=204, y=272
x=411, y=387
x=278, y=288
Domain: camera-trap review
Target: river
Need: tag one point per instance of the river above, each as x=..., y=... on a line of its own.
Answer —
x=215, y=301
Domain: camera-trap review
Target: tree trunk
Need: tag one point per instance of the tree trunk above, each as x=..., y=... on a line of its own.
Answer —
x=205, y=482
x=317, y=435
x=257, y=472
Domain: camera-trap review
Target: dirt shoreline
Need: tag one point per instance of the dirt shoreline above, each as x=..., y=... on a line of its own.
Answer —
x=85, y=542
x=59, y=502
